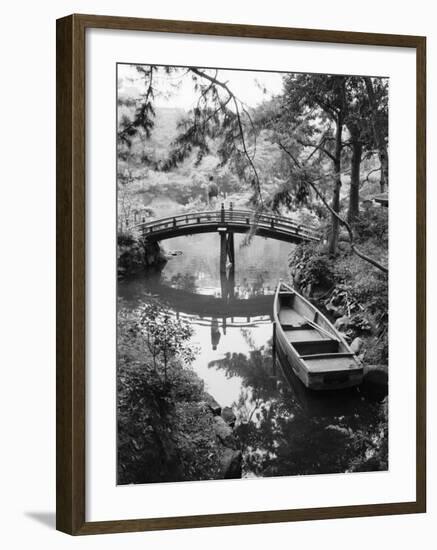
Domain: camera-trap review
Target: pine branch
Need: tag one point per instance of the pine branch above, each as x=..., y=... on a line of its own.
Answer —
x=235, y=100
x=258, y=184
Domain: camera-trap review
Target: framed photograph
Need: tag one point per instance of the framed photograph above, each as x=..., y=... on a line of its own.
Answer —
x=240, y=274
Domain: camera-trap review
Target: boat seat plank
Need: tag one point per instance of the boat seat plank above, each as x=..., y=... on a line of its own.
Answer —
x=327, y=355
x=303, y=334
x=334, y=362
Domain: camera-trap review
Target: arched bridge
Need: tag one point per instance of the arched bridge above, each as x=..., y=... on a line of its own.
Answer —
x=230, y=221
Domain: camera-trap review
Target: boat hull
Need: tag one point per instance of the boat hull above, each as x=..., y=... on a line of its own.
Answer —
x=309, y=345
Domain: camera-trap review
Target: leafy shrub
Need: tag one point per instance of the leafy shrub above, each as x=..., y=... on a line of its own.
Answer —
x=314, y=265
x=371, y=445
x=196, y=442
x=125, y=239
x=373, y=224
x=164, y=428
x=376, y=352
x=130, y=255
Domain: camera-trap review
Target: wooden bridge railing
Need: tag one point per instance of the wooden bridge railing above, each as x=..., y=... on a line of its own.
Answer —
x=230, y=217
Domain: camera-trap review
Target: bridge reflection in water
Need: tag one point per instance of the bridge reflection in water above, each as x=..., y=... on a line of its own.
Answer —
x=218, y=313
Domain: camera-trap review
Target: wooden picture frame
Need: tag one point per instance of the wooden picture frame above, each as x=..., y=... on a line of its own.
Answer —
x=71, y=252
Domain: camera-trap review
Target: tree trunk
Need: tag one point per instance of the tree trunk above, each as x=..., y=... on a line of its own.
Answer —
x=334, y=220
x=383, y=159
x=378, y=135
x=340, y=219
x=354, y=191
x=337, y=186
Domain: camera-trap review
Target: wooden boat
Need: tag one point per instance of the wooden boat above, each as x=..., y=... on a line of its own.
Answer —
x=310, y=345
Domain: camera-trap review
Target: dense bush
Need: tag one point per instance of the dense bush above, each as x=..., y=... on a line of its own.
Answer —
x=372, y=224
x=371, y=446
x=348, y=287
x=164, y=427
x=130, y=255
x=135, y=255
x=312, y=265
x=196, y=442
x=367, y=285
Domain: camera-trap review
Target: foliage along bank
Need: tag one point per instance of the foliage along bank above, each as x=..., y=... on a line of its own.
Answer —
x=135, y=254
x=169, y=428
x=350, y=290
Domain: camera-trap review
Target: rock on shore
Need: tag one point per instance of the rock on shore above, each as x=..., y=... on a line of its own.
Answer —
x=231, y=457
x=375, y=382
x=135, y=255
x=231, y=462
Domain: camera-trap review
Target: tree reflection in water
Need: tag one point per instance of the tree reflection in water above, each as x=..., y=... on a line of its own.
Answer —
x=285, y=429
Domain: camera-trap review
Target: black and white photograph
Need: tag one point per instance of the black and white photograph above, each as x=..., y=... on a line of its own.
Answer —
x=218, y=294
x=252, y=273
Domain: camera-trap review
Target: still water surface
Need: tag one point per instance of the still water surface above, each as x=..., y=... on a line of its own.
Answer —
x=283, y=428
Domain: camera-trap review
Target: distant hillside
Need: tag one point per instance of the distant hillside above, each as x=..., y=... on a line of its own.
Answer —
x=165, y=129
x=163, y=133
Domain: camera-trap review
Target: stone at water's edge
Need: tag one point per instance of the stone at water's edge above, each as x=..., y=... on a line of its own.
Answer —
x=223, y=422
x=230, y=455
x=212, y=404
x=224, y=433
x=231, y=464
x=356, y=345
x=153, y=255
x=342, y=323
x=134, y=256
x=228, y=416
x=375, y=382
x=376, y=371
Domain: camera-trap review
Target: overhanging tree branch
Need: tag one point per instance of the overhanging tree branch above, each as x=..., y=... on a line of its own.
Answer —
x=257, y=182
x=343, y=222
x=317, y=147
x=371, y=172
x=127, y=131
x=235, y=100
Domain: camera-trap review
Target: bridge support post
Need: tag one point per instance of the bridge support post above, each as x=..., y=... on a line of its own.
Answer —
x=231, y=248
x=223, y=252
x=274, y=350
x=227, y=250
x=231, y=282
x=227, y=264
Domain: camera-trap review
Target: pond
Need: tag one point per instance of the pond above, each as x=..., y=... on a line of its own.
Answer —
x=283, y=428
